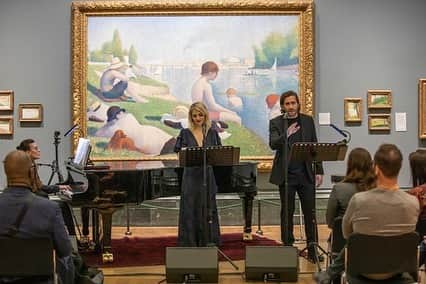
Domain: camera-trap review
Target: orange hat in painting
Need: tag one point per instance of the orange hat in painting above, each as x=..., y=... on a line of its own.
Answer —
x=272, y=99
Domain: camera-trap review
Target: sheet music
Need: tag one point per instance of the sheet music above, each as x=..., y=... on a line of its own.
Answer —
x=82, y=152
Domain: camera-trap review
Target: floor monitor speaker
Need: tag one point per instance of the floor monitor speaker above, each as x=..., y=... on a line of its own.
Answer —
x=192, y=265
x=271, y=263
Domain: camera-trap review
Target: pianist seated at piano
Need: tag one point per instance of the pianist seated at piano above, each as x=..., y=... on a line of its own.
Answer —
x=31, y=148
x=193, y=216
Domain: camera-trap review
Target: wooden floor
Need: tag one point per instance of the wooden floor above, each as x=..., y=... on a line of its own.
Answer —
x=227, y=274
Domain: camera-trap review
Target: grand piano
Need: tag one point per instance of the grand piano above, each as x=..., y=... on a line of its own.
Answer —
x=114, y=184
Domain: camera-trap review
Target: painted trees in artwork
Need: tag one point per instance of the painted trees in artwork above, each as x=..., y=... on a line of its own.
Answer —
x=278, y=46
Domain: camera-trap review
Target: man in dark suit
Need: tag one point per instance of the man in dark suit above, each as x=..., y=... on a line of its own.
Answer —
x=284, y=131
x=43, y=218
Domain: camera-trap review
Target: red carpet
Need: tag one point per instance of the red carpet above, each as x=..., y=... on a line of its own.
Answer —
x=136, y=251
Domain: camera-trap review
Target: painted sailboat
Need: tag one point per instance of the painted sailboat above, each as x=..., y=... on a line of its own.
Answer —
x=257, y=71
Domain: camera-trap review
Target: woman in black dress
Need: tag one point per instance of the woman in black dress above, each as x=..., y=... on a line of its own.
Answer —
x=194, y=226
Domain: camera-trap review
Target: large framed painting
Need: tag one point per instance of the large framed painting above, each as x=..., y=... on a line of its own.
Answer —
x=138, y=66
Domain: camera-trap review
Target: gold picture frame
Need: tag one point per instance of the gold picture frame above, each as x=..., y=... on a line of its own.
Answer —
x=84, y=13
x=6, y=100
x=6, y=125
x=379, y=99
x=353, y=109
x=422, y=108
x=30, y=112
x=379, y=122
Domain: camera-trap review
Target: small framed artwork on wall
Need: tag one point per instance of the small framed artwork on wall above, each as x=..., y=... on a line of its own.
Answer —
x=30, y=113
x=6, y=100
x=381, y=122
x=377, y=99
x=353, y=109
x=6, y=125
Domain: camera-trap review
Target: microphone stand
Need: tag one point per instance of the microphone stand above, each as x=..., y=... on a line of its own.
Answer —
x=342, y=132
x=206, y=187
x=207, y=190
x=55, y=163
x=285, y=170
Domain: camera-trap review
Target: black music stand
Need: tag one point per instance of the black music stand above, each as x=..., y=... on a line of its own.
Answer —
x=215, y=156
x=210, y=156
x=316, y=153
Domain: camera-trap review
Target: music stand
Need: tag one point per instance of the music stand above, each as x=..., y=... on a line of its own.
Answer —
x=210, y=156
x=315, y=153
x=215, y=156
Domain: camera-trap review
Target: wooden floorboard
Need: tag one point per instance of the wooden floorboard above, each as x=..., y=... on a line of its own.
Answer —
x=227, y=274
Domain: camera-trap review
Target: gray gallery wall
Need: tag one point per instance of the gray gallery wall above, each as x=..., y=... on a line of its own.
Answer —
x=360, y=45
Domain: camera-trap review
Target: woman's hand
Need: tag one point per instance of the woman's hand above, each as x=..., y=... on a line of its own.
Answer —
x=66, y=190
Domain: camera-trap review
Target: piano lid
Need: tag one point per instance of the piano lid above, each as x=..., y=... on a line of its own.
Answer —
x=133, y=165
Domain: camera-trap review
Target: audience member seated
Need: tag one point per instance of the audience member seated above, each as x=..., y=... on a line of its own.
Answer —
x=359, y=177
x=418, y=172
x=382, y=211
x=43, y=217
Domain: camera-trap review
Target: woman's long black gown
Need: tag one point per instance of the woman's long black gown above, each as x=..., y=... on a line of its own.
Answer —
x=193, y=215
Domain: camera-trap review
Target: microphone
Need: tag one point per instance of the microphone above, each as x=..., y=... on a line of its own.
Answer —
x=284, y=113
x=204, y=130
x=339, y=130
x=71, y=130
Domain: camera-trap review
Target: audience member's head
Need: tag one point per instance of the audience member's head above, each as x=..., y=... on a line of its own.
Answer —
x=388, y=160
x=360, y=169
x=18, y=168
x=418, y=167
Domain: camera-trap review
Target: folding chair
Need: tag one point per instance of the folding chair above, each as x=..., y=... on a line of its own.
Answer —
x=366, y=254
x=337, y=241
x=28, y=258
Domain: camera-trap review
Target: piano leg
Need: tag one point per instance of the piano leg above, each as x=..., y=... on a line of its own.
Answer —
x=105, y=235
x=247, y=212
x=85, y=213
x=84, y=238
x=96, y=231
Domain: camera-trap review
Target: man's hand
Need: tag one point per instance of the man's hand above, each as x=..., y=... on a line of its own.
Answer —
x=292, y=129
x=318, y=180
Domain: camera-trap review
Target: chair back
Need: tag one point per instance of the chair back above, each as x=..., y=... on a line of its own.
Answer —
x=26, y=257
x=368, y=254
x=337, y=240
